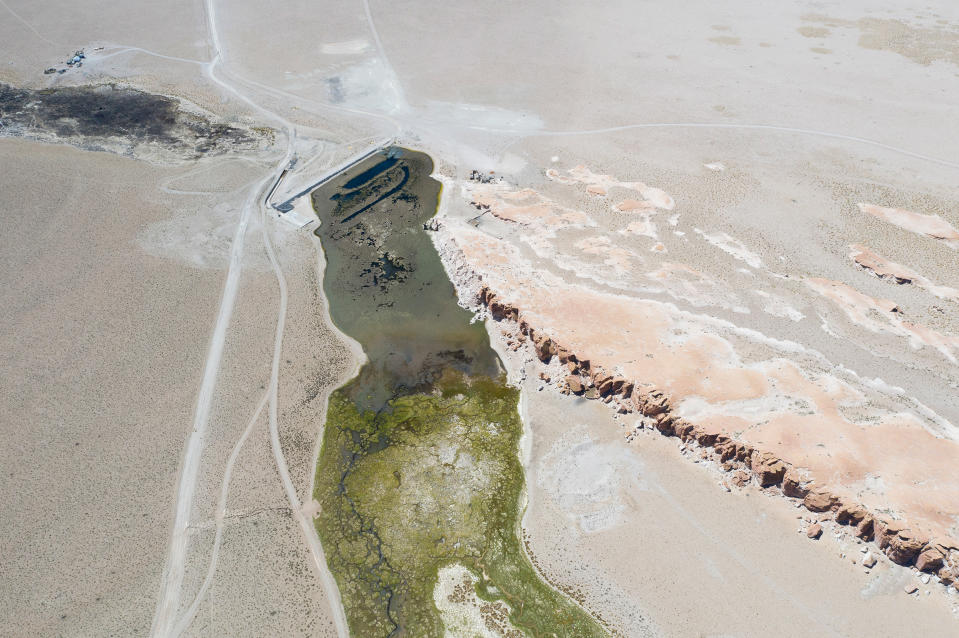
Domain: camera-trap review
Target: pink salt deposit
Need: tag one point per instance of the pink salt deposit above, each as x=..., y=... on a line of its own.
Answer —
x=885, y=269
x=931, y=225
x=704, y=372
x=658, y=198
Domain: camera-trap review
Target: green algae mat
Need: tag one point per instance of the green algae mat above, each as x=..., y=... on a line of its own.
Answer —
x=418, y=478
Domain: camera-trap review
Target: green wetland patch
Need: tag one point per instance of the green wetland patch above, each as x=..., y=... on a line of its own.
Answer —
x=418, y=477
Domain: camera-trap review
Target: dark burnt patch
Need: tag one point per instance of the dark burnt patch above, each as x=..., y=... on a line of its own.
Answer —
x=90, y=115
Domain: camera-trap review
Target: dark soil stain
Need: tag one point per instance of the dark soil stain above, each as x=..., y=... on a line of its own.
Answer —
x=86, y=115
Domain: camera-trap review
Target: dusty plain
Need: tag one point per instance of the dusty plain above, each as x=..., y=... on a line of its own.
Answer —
x=753, y=209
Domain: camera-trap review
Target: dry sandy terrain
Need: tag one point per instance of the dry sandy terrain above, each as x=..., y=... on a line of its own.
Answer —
x=108, y=305
x=753, y=209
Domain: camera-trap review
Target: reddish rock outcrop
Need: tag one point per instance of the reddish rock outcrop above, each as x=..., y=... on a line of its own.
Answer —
x=851, y=514
x=740, y=478
x=901, y=544
x=793, y=484
x=864, y=529
x=905, y=547
x=768, y=468
x=684, y=430
x=886, y=530
x=930, y=560
x=544, y=348
x=654, y=403
x=664, y=423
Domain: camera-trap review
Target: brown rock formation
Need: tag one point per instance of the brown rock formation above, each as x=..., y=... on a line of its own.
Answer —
x=864, y=529
x=793, y=484
x=740, y=478
x=768, y=469
x=664, y=423
x=851, y=514
x=905, y=547
x=544, y=348
x=820, y=500
x=930, y=560
x=886, y=530
x=901, y=544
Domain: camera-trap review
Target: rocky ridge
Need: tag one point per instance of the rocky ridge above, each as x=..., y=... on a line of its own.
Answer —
x=742, y=462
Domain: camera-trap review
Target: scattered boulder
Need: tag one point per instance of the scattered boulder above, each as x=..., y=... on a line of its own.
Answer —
x=726, y=451
x=814, y=531
x=793, y=484
x=704, y=438
x=930, y=560
x=819, y=500
x=869, y=560
x=911, y=588
x=575, y=384
x=599, y=377
x=743, y=451
x=606, y=387
x=740, y=478
x=544, y=348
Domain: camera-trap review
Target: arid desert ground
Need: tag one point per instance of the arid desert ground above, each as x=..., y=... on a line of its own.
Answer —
x=716, y=246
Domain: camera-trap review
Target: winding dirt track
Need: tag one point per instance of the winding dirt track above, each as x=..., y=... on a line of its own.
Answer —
x=165, y=621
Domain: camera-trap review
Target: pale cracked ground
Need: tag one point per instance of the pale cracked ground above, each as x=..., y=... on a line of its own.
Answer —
x=782, y=152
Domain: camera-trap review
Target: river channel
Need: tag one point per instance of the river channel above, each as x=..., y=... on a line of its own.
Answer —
x=418, y=472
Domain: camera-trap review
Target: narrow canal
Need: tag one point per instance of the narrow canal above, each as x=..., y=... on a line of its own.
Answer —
x=418, y=469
